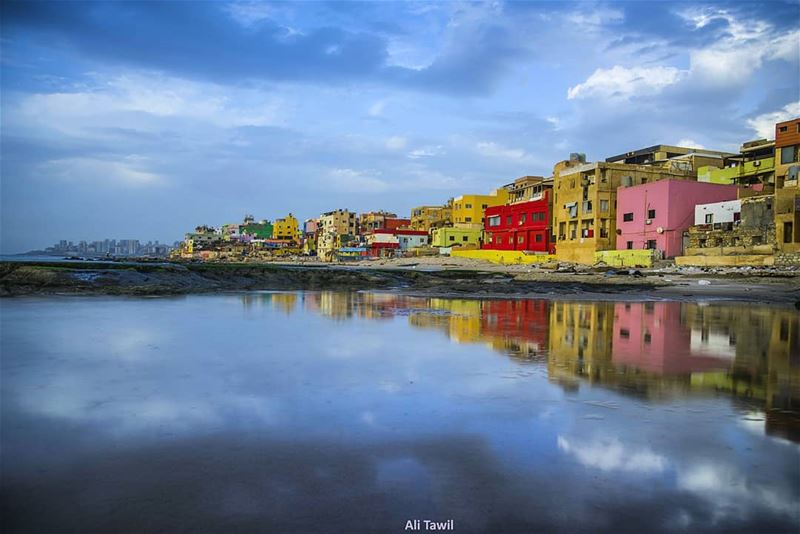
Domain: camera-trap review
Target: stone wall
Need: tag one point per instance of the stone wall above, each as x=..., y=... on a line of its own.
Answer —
x=787, y=259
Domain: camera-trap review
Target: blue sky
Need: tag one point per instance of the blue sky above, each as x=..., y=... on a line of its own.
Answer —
x=144, y=119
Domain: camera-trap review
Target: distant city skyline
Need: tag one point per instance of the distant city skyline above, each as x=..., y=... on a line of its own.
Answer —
x=211, y=110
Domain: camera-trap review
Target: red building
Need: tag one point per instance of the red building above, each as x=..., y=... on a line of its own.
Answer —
x=520, y=226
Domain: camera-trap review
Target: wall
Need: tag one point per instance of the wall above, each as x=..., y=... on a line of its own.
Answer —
x=725, y=261
x=721, y=212
x=519, y=226
x=507, y=257
x=674, y=203
x=736, y=174
x=625, y=258
x=454, y=237
x=473, y=214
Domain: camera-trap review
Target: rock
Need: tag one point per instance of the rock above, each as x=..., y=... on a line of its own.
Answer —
x=703, y=283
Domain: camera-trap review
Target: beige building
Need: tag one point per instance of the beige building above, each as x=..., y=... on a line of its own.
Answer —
x=427, y=218
x=332, y=227
x=585, y=203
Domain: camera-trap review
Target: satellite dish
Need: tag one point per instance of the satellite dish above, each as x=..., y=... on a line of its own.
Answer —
x=660, y=230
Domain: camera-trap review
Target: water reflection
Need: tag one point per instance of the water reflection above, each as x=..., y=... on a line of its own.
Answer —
x=652, y=350
x=325, y=411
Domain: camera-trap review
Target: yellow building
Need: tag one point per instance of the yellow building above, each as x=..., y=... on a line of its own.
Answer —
x=787, y=188
x=468, y=209
x=332, y=227
x=585, y=203
x=287, y=228
x=449, y=236
x=428, y=217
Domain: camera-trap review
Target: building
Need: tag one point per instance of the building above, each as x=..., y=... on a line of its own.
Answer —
x=381, y=220
x=468, y=209
x=718, y=213
x=671, y=157
x=754, y=167
x=585, y=203
x=520, y=226
x=787, y=190
x=428, y=217
x=287, y=228
x=655, y=215
x=457, y=236
x=256, y=230
x=230, y=232
x=335, y=229
x=409, y=239
x=310, y=226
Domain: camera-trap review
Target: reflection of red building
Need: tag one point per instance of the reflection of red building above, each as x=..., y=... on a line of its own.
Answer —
x=520, y=226
x=651, y=337
x=523, y=320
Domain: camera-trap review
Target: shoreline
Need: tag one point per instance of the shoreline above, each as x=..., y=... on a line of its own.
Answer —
x=481, y=281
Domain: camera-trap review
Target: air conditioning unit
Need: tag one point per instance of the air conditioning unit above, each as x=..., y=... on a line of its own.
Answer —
x=648, y=221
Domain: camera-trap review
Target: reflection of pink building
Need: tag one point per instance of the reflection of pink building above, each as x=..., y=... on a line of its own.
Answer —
x=656, y=214
x=651, y=337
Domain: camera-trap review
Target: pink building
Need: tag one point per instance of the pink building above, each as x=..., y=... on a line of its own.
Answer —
x=655, y=215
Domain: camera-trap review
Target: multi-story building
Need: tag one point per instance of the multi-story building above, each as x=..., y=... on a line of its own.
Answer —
x=335, y=228
x=457, y=236
x=674, y=157
x=754, y=167
x=585, y=203
x=525, y=222
x=257, y=230
x=655, y=215
x=287, y=228
x=231, y=231
x=787, y=190
x=428, y=217
x=468, y=209
x=380, y=220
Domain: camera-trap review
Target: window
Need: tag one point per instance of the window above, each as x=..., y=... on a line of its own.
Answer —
x=499, y=240
x=627, y=217
x=647, y=337
x=789, y=154
x=508, y=219
x=494, y=220
x=603, y=205
x=787, y=232
x=468, y=206
x=624, y=333
x=484, y=206
x=783, y=129
x=467, y=219
x=520, y=239
x=452, y=238
x=465, y=238
x=629, y=245
x=651, y=214
x=538, y=238
x=709, y=218
x=651, y=244
x=522, y=218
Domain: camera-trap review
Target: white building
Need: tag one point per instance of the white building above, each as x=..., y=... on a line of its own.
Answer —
x=718, y=212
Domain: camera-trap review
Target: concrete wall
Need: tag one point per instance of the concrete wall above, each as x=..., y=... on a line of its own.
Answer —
x=725, y=261
x=721, y=211
x=625, y=258
x=507, y=257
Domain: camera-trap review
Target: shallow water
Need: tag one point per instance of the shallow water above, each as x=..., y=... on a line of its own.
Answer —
x=346, y=412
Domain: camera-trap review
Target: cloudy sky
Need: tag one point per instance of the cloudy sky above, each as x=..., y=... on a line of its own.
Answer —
x=144, y=119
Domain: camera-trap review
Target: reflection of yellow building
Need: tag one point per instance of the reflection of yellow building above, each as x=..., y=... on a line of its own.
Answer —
x=580, y=340
x=468, y=209
x=287, y=228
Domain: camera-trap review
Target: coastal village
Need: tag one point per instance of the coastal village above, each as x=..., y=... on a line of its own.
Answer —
x=693, y=206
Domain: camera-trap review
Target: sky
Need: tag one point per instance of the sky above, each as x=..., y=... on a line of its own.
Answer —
x=142, y=120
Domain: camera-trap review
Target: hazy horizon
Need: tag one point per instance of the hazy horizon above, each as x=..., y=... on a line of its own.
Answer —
x=146, y=119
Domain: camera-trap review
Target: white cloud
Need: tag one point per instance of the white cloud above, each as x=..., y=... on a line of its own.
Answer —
x=613, y=456
x=396, y=143
x=425, y=152
x=376, y=109
x=249, y=13
x=764, y=124
x=358, y=181
x=495, y=150
x=624, y=83
x=689, y=143
x=129, y=171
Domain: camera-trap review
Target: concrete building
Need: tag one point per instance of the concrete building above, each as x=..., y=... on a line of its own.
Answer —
x=787, y=188
x=468, y=209
x=463, y=236
x=287, y=228
x=754, y=167
x=728, y=211
x=409, y=239
x=379, y=220
x=256, y=230
x=336, y=229
x=585, y=203
x=520, y=226
x=655, y=215
x=670, y=156
x=429, y=217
